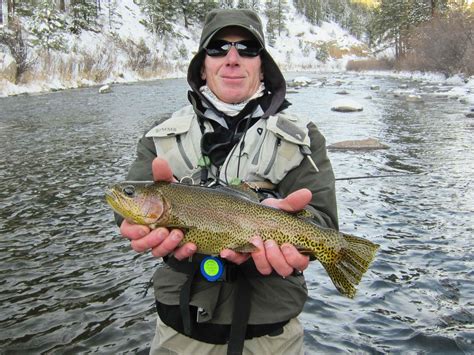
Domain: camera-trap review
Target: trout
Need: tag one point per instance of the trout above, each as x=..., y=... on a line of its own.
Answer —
x=218, y=218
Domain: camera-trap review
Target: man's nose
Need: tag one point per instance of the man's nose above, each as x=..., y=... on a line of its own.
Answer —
x=233, y=56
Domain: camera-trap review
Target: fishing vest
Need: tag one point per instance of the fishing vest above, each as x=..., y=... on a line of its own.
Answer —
x=272, y=147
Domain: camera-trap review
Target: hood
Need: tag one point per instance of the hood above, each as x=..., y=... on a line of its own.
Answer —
x=248, y=20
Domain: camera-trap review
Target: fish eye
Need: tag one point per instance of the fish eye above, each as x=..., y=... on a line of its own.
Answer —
x=129, y=190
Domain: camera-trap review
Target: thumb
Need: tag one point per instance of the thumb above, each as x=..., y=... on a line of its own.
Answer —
x=294, y=202
x=161, y=170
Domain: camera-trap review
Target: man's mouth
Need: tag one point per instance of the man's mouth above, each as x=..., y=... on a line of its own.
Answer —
x=232, y=77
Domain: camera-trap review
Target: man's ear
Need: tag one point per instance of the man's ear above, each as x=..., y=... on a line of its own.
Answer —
x=203, y=73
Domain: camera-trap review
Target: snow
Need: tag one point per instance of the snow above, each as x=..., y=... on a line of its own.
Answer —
x=296, y=50
x=346, y=105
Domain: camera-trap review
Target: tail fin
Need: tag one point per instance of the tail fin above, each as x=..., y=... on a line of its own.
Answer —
x=354, y=260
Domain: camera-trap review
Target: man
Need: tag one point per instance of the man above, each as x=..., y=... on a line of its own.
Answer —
x=236, y=129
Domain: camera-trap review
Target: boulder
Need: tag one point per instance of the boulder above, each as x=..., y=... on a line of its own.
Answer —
x=362, y=144
x=346, y=105
x=8, y=68
x=300, y=81
x=105, y=89
x=414, y=98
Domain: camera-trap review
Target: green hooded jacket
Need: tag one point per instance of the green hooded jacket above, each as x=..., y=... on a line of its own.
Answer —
x=274, y=299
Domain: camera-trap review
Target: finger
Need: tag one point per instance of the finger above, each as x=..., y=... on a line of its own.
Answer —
x=294, y=202
x=294, y=258
x=133, y=231
x=151, y=240
x=276, y=259
x=169, y=244
x=161, y=170
x=234, y=257
x=260, y=258
x=185, y=251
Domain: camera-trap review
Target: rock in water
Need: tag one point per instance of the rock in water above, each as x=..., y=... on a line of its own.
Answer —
x=346, y=105
x=105, y=89
x=362, y=144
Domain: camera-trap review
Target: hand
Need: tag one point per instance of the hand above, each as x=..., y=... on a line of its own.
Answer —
x=161, y=241
x=283, y=259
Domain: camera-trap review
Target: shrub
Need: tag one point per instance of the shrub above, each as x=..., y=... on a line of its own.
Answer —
x=139, y=55
x=370, y=64
x=13, y=39
x=445, y=44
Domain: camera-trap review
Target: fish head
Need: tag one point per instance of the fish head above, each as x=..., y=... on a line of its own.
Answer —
x=136, y=202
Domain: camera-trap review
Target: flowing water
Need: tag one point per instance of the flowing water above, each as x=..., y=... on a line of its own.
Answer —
x=69, y=283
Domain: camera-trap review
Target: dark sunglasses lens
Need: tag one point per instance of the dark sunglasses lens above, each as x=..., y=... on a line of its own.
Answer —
x=220, y=48
x=248, y=48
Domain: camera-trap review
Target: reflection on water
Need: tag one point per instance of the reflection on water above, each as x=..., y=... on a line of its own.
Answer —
x=69, y=283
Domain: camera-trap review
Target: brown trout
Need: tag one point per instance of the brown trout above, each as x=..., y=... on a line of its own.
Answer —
x=219, y=218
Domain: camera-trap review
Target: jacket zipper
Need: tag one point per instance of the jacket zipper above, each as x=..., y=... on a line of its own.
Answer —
x=183, y=153
x=272, y=160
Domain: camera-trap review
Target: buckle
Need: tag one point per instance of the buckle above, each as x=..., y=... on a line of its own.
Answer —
x=215, y=269
x=212, y=268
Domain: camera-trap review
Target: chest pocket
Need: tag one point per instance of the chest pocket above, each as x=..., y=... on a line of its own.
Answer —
x=281, y=149
x=178, y=140
x=272, y=148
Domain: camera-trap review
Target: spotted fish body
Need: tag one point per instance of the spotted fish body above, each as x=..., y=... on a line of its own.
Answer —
x=216, y=219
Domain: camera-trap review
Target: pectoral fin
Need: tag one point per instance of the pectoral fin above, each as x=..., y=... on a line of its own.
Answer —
x=245, y=248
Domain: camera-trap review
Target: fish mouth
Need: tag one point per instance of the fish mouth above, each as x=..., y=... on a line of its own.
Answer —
x=112, y=199
x=109, y=195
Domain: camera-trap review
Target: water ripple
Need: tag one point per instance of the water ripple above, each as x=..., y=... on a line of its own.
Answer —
x=70, y=283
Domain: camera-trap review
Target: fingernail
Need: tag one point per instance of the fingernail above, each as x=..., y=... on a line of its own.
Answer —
x=270, y=244
x=175, y=236
x=255, y=241
x=162, y=234
x=142, y=233
x=285, y=249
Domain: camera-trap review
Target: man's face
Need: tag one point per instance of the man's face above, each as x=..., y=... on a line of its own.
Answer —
x=232, y=78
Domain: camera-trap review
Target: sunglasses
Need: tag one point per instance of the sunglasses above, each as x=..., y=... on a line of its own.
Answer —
x=220, y=48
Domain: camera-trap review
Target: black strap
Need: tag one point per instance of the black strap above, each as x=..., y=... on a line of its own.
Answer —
x=241, y=311
x=185, y=297
x=240, y=316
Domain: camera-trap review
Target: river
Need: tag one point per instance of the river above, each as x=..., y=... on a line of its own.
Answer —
x=70, y=283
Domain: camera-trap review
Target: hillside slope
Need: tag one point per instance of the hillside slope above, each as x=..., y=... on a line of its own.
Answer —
x=124, y=50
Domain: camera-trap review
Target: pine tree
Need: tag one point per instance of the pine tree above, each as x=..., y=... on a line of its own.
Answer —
x=187, y=9
x=243, y=4
x=202, y=8
x=83, y=16
x=394, y=20
x=161, y=15
x=226, y=4
x=281, y=10
x=46, y=26
x=112, y=14
x=271, y=12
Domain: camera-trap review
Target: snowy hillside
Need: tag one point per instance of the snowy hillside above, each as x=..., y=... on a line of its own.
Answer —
x=126, y=51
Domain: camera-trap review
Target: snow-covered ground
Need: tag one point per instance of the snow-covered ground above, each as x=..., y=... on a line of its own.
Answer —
x=294, y=50
x=108, y=53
